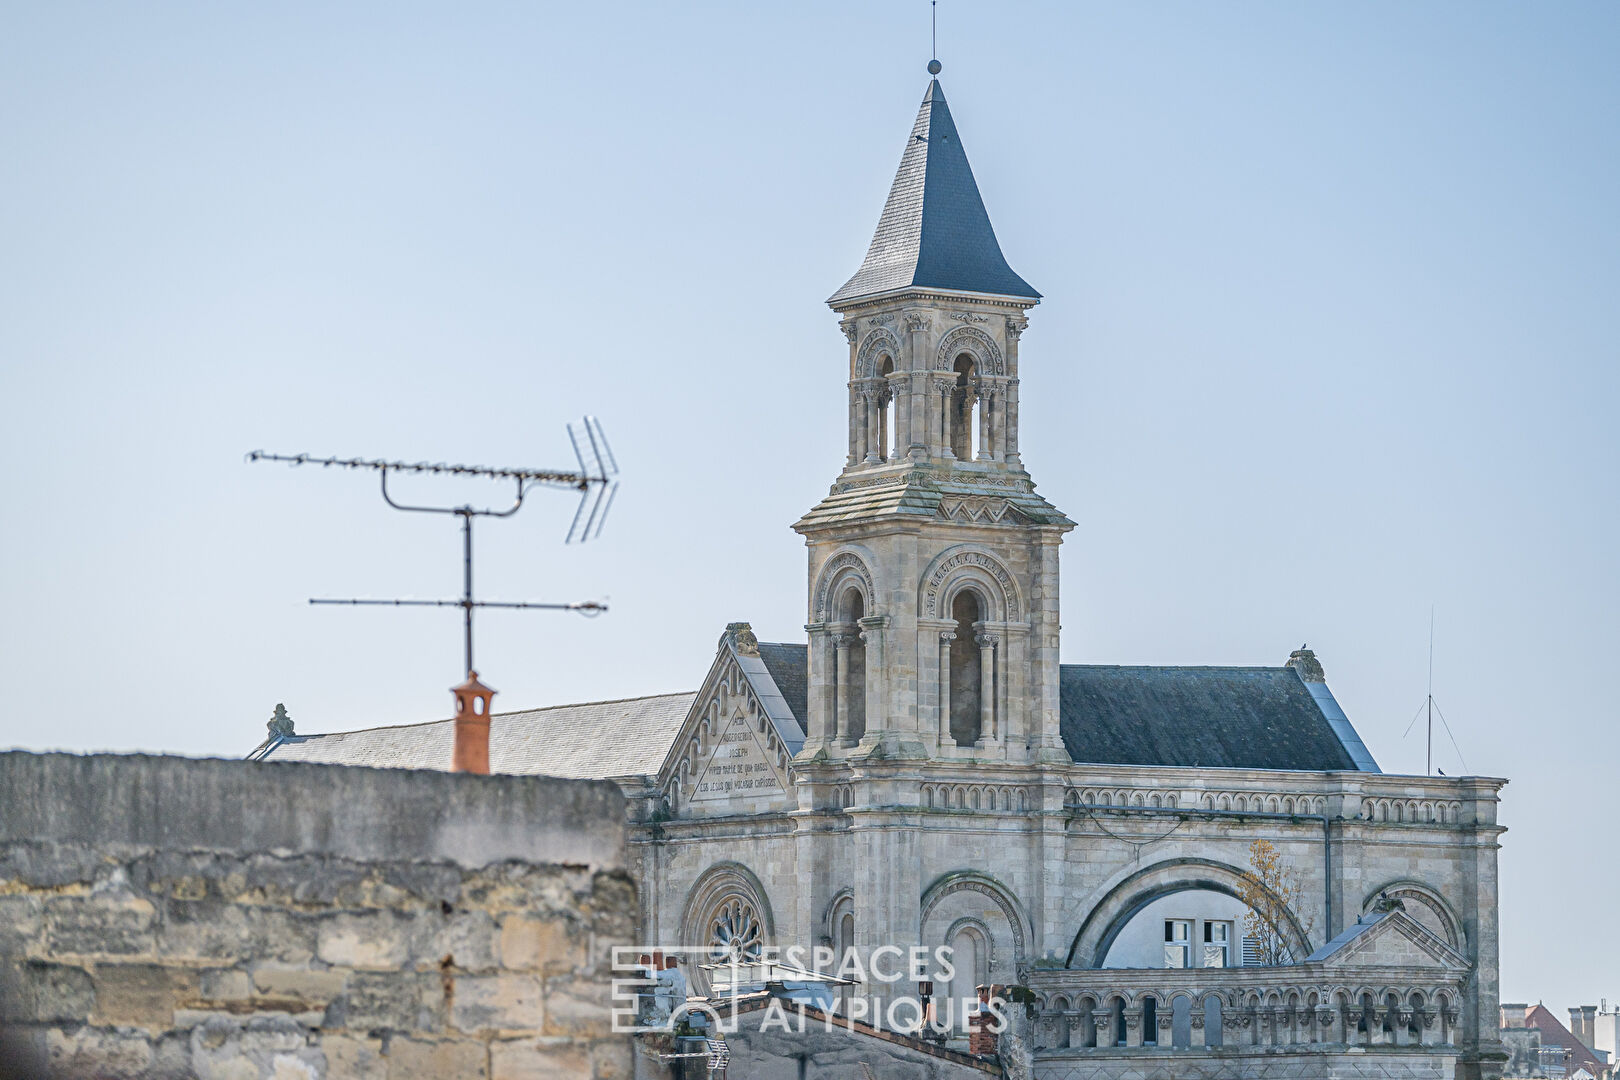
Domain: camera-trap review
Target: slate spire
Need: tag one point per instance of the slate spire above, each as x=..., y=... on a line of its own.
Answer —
x=934, y=232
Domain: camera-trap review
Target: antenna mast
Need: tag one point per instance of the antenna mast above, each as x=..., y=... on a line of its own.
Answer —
x=595, y=480
x=1428, y=742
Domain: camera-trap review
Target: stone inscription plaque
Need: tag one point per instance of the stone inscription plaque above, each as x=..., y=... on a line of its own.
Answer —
x=739, y=767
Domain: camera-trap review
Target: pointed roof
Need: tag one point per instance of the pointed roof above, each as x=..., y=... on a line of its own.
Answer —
x=934, y=232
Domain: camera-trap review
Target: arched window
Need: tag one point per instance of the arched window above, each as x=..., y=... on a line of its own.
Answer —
x=849, y=673
x=966, y=678
x=886, y=441
x=964, y=418
x=970, y=956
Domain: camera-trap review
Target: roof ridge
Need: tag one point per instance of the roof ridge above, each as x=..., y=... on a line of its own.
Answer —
x=494, y=715
x=1184, y=667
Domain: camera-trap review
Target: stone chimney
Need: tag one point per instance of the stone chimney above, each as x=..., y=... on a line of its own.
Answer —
x=1583, y=1023
x=1304, y=661
x=1514, y=1015
x=472, y=726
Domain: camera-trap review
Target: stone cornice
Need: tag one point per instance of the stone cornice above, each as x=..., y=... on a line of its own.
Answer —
x=899, y=297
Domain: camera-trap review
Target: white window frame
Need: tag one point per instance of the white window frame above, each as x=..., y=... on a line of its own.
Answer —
x=1219, y=949
x=1178, y=948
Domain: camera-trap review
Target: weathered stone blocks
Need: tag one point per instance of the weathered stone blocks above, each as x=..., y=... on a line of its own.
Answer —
x=180, y=956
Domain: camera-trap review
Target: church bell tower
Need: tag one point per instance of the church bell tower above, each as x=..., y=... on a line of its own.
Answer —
x=933, y=609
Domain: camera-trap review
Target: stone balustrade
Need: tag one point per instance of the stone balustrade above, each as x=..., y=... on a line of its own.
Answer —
x=1195, y=1008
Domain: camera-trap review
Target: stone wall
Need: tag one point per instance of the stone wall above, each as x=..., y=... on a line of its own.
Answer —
x=169, y=917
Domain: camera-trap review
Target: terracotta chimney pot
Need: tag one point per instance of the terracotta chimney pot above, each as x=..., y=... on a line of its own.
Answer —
x=472, y=726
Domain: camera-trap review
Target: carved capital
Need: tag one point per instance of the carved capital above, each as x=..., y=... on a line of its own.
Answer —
x=947, y=636
x=987, y=641
x=851, y=329
x=916, y=322
x=844, y=639
x=1016, y=326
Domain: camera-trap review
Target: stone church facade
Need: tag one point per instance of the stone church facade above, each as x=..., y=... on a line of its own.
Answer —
x=925, y=771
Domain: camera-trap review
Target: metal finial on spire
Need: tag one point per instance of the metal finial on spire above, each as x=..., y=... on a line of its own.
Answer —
x=934, y=66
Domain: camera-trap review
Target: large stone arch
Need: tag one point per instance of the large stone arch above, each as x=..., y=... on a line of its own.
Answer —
x=977, y=344
x=850, y=565
x=876, y=344
x=1129, y=896
x=970, y=566
x=961, y=895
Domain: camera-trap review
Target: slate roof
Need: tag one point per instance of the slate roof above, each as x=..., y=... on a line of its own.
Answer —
x=787, y=665
x=934, y=231
x=1200, y=717
x=1211, y=717
x=593, y=741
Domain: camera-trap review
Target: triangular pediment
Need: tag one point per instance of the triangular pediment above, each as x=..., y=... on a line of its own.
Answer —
x=731, y=755
x=1393, y=939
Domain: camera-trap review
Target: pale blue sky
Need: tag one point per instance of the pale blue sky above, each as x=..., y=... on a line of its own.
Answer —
x=1333, y=297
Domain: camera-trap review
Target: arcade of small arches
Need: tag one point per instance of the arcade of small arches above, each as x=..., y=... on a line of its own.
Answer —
x=1412, y=811
x=992, y=797
x=1272, y=1015
x=959, y=410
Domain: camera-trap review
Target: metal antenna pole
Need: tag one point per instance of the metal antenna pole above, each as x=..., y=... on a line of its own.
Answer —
x=1428, y=742
x=466, y=591
x=595, y=480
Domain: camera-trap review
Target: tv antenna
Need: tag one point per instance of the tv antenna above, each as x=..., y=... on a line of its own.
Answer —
x=595, y=480
x=1432, y=710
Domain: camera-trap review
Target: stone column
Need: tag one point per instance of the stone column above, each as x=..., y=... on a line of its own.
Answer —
x=990, y=430
x=987, y=689
x=1133, y=1026
x=877, y=716
x=841, y=645
x=1427, y=1026
x=821, y=703
x=1010, y=440
x=985, y=396
x=1322, y=1030
x=874, y=422
x=1103, y=1023
x=857, y=425
x=898, y=385
x=939, y=432
x=1195, y=1023
x=945, y=639
x=1167, y=1030
x=1015, y=330
x=1403, y=1027
x=1017, y=718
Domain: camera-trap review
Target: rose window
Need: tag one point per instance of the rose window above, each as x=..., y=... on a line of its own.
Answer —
x=735, y=932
